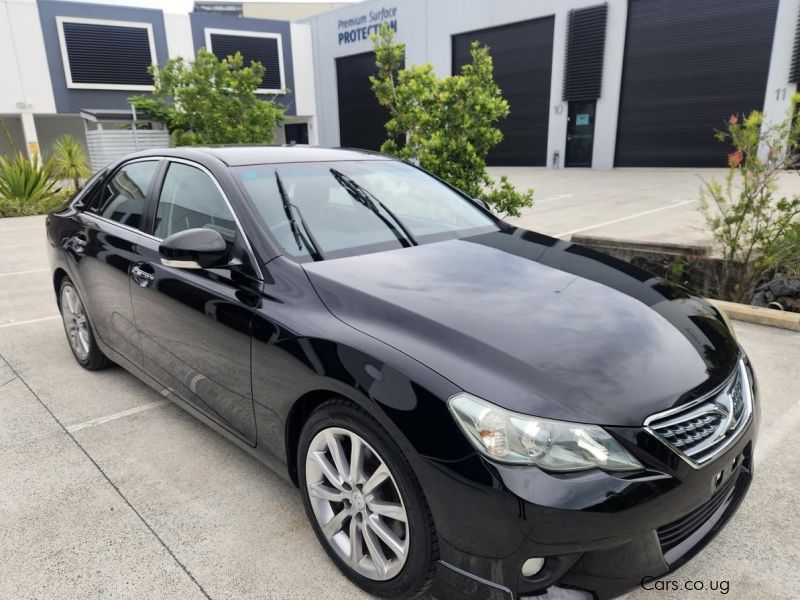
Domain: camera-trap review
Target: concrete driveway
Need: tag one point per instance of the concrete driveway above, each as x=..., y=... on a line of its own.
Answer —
x=109, y=491
x=650, y=205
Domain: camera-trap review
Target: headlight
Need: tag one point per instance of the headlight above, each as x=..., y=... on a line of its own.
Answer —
x=510, y=437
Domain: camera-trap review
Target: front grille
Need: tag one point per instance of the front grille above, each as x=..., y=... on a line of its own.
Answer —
x=702, y=430
x=672, y=534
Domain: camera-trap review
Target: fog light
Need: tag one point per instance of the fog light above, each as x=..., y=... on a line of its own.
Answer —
x=532, y=566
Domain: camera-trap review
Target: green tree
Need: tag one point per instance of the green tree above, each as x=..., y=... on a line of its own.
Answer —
x=69, y=160
x=211, y=101
x=446, y=125
x=754, y=226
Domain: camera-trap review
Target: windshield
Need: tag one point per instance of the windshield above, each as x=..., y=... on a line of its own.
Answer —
x=324, y=210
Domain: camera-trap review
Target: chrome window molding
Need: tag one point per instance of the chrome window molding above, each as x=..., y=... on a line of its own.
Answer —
x=248, y=248
x=722, y=439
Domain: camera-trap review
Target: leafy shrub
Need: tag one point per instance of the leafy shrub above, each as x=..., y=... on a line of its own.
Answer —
x=69, y=160
x=27, y=187
x=211, y=101
x=755, y=228
x=446, y=125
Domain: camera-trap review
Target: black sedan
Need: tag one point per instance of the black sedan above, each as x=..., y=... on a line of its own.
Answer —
x=467, y=407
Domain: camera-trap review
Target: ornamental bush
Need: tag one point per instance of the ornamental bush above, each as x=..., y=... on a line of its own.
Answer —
x=756, y=229
x=211, y=101
x=446, y=125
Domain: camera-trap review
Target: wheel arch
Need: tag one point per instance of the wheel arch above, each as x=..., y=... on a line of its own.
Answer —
x=297, y=417
x=58, y=276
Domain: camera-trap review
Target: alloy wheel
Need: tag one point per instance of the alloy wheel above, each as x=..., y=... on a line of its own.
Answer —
x=75, y=322
x=357, y=503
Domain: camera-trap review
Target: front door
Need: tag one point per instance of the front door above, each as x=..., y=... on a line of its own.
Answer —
x=194, y=324
x=580, y=133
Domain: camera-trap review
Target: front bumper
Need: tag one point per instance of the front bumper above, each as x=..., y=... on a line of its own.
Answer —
x=601, y=534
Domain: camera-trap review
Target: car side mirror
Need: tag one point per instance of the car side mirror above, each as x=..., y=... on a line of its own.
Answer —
x=194, y=249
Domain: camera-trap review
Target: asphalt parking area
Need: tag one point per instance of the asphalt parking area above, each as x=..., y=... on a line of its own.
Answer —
x=108, y=490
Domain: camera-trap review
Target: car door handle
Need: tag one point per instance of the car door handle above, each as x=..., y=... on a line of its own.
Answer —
x=77, y=243
x=142, y=274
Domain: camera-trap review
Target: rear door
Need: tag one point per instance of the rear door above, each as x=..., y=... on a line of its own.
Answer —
x=104, y=247
x=194, y=324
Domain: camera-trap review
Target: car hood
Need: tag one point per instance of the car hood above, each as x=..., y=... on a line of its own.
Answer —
x=537, y=325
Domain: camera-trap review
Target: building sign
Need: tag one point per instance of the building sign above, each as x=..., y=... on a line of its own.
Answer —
x=357, y=29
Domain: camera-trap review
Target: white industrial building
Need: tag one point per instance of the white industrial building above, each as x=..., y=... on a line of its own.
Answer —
x=600, y=84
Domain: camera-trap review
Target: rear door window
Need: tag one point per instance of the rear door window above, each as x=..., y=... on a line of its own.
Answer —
x=123, y=197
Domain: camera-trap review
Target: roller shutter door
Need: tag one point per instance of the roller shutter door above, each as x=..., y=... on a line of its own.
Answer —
x=523, y=57
x=689, y=65
x=361, y=119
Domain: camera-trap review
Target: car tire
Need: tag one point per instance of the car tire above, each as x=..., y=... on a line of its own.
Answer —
x=80, y=336
x=376, y=511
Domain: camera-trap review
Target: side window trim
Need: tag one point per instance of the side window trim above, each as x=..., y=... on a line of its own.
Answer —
x=85, y=196
x=153, y=198
x=148, y=195
x=156, y=198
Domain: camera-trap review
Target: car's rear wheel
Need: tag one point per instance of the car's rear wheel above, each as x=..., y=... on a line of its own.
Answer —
x=364, y=502
x=79, y=330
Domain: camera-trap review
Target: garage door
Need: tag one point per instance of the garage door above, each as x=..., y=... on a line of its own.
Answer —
x=689, y=65
x=523, y=56
x=361, y=118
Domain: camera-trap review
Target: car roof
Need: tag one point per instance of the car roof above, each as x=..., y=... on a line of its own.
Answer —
x=235, y=156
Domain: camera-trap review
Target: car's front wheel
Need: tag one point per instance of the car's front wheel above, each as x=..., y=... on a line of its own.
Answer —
x=78, y=329
x=364, y=502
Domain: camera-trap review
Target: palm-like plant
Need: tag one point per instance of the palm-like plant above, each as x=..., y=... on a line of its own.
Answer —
x=27, y=187
x=69, y=160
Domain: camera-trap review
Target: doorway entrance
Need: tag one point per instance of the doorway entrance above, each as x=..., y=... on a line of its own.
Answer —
x=580, y=133
x=296, y=133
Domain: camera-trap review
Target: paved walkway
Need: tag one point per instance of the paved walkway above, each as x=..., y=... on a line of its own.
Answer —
x=650, y=205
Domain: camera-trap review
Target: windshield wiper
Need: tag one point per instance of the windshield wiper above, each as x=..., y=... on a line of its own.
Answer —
x=368, y=199
x=303, y=239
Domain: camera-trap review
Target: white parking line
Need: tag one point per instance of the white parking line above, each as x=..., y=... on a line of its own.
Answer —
x=38, y=244
x=629, y=217
x=552, y=198
x=23, y=272
x=120, y=415
x=15, y=323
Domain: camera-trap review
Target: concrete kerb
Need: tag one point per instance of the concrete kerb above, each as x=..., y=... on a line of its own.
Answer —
x=759, y=315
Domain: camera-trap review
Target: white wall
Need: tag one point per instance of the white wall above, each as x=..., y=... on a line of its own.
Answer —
x=287, y=11
x=411, y=24
x=24, y=73
x=305, y=89
x=178, y=30
x=426, y=27
x=777, y=100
